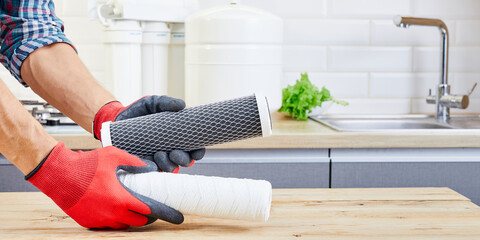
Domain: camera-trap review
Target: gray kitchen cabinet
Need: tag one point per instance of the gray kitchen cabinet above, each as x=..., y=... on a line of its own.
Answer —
x=284, y=168
x=458, y=169
x=310, y=168
x=12, y=179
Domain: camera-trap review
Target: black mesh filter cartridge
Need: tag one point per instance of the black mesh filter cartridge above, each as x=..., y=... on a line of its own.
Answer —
x=191, y=128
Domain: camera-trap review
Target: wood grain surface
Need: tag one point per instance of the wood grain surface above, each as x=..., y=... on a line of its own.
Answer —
x=288, y=133
x=387, y=213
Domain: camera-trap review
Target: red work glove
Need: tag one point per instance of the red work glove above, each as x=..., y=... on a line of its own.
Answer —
x=115, y=111
x=85, y=186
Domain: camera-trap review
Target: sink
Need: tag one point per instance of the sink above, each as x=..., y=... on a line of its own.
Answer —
x=470, y=122
x=360, y=123
x=377, y=124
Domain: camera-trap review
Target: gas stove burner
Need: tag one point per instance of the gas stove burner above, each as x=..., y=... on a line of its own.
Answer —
x=46, y=114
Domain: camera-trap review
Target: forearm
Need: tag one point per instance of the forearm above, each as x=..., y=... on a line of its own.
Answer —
x=23, y=141
x=57, y=74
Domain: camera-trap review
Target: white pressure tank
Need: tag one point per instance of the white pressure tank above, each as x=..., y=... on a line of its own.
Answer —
x=123, y=40
x=233, y=51
x=156, y=37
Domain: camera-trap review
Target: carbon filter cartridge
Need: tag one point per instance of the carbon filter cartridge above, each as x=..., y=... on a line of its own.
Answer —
x=191, y=128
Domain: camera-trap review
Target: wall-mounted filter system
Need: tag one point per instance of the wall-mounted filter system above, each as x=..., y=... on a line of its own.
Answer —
x=191, y=128
x=123, y=40
x=137, y=44
x=176, y=61
x=155, y=41
x=205, y=196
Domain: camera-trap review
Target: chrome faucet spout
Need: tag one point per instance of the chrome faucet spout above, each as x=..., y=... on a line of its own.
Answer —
x=442, y=99
x=401, y=21
x=405, y=22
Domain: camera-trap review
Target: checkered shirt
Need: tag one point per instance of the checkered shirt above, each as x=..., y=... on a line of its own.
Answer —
x=26, y=25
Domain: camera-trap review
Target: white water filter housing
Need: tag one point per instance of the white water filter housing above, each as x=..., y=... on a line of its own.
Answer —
x=176, y=61
x=232, y=51
x=150, y=10
x=123, y=40
x=156, y=37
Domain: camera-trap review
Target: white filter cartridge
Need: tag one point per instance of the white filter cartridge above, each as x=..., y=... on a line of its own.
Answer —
x=217, y=197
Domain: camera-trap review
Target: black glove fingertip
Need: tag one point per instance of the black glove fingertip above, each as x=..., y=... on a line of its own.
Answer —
x=163, y=163
x=150, y=220
x=158, y=210
x=181, y=158
x=197, y=154
x=166, y=103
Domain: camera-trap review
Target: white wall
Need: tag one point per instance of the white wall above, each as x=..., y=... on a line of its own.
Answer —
x=351, y=46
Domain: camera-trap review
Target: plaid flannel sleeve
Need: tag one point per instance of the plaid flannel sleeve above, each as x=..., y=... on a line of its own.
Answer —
x=26, y=25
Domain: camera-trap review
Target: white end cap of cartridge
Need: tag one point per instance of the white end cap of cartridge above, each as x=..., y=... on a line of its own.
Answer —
x=105, y=133
x=264, y=112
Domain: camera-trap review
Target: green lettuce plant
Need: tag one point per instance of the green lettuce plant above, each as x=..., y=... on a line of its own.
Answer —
x=301, y=98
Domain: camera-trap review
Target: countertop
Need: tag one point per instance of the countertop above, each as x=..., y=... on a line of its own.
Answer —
x=288, y=133
x=406, y=213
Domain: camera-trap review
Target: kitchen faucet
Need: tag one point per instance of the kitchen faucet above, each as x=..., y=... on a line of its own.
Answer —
x=443, y=99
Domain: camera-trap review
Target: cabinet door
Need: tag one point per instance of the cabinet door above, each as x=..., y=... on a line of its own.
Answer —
x=12, y=179
x=457, y=169
x=284, y=168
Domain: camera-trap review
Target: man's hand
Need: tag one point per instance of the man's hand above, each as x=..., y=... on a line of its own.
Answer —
x=115, y=111
x=85, y=186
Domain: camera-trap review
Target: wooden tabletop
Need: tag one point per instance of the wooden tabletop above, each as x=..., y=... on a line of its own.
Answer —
x=288, y=133
x=393, y=213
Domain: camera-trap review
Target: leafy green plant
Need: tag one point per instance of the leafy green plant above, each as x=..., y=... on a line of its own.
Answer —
x=302, y=97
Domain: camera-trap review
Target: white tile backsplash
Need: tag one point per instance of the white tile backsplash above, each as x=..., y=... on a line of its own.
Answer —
x=304, y=58
x=369, y=59
x=447, y=9
x=350, y=46
x=468, y=33
x=402, y=85
x=326, y=32
x=341, y=85
x=465, y=59
x=461, y=59
x=426, y=59
x=368, y=8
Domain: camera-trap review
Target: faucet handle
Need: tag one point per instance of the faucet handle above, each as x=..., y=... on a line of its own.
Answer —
x=471, y=90
x=431, y=99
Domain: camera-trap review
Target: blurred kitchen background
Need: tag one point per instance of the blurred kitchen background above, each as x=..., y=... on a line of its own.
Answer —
x=350, y=46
